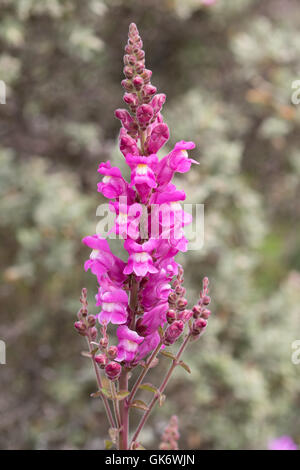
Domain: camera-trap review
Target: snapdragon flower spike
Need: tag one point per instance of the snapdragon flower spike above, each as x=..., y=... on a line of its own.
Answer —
x=140, y=294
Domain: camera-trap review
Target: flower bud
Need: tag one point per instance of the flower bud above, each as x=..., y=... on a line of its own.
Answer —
x=81, y=328
x=205, y=313
x=148, y=90
x=128, y=71
x=91, y=320
x=93, y=333
x=112, y=352
x=198, y=326
x=103, y=343
x=185, y=315
x=171, y=316
x=157, y=102
x=197, y=311
x=139, y=67
x=102, y=360
x=131, y=99
x=173, y=332
x=181, y=303
x=138, y=82
x=144, y=113
x=140, y=54
x=146, y=75
x=113, y=370
x=206, y=300
x=127, y=85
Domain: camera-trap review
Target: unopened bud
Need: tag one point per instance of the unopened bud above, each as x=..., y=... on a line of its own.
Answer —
x=206, y=300
x=93, y=333
x=173, y=332
x=146, y=75
x=138, y=82
x=103, y=343
x=198, y=326
x=113, y=370
x=205, y=313
x=102, y=360
x=144, y=113
x=127, y=84
x=81, y=328
x=185, y=315
x=91, y=320
x=171, y=316
x=139, y=67
x=148, y=90
x=112, y=352
x=128, y=71
x=181, y=303
x=197, y=311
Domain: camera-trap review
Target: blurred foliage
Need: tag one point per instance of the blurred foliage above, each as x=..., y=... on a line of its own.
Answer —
x=228, y=70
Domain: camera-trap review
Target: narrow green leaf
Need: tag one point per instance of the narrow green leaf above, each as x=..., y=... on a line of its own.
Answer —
x=168, y=354
x=139, y=404
x=122, y=394
x=185, y=366
x=148, y=387
x=106, y=392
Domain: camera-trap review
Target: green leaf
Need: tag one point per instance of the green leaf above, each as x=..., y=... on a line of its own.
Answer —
x=168, y=354
x=148, y=387
x=122, y=394
x=106, y=392
x=161, y=332
x=185, y=366
x=139, y=404
x=108, y=444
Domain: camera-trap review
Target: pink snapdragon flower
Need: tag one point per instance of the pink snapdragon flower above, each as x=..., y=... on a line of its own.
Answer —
x=140, y=261
x=114, y=304
x=129, y=341
x=176, y=161
x=127, y=218
x=113, y=184
x=143, y=174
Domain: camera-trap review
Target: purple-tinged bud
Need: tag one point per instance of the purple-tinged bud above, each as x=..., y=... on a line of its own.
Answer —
x=205, y=313
x=128, y=71
x=140, y=54
x=171, y=316
x=138, y=82
x=91, y=320
x=197, y=311
x=93, y=333
x=148, y=90
x=146, y=75
x=131, y=99
x=185, y=315
x=206, y=300
x=126, y=119
x=157, y=102
x=144, y=113
x=112, y=352
x=113, y=370
x=128, y=49
x=102, y=360
x=127, y=85
x=103, y=343
x=173, y=332
x=180, y=290
x=127, y=143
x=131, y=59
x=139, y=67
x=198, y=326
x=81, y=328
x=181, y=303
x=158, y=137
x=172, y=298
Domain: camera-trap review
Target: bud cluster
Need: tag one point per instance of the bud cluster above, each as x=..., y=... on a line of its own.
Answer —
x=171, y=435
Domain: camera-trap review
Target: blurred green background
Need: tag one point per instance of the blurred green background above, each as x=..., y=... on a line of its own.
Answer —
x=227, y=70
